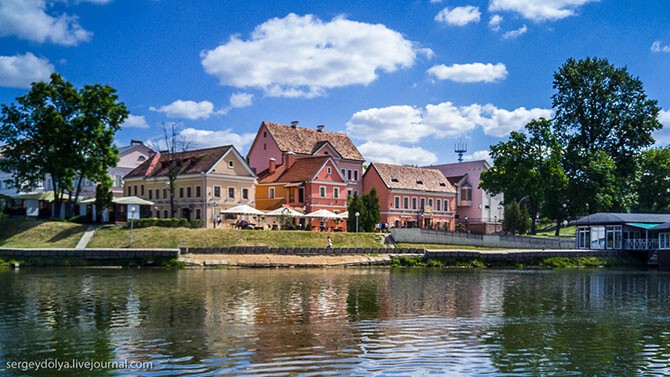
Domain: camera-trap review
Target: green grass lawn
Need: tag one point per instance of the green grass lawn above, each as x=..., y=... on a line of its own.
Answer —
x=114, y=236
x=34, y=233
x=565, y=232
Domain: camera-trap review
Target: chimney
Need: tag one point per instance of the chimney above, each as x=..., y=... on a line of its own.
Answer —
x=135, y=142
x=272, y=165
x=320, y=128
x=289, y=159
x=294, y=124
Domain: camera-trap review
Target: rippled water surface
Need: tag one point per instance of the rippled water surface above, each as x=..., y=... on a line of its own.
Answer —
x=357, y=322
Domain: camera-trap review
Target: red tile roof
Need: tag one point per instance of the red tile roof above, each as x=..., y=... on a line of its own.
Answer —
x=306, y=140
x=303, y=169
x=412, y=178
x=195, y=161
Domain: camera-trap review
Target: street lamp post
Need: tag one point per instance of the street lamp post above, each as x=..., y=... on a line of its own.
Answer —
x=495, y=224
x=357, y=215
x=132, y=216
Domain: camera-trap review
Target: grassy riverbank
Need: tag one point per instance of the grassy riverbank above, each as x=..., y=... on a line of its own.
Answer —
x=542, y=263
x=34, y=233
x=155, y=237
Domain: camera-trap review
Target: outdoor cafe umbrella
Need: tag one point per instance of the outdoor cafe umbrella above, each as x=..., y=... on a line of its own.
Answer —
x=243, y=209
x=284, y=211
x=323, y=214
x=343, y=215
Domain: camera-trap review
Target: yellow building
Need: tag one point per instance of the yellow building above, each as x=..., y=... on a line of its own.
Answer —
x=208, y=181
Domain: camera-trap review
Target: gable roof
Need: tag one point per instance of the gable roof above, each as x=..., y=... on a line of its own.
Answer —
x=603, y=218
x=412, y=178
x=196, y=161
x=306, y=140
x=302, y=170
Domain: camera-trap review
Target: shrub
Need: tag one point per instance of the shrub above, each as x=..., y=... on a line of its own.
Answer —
x=166, y=223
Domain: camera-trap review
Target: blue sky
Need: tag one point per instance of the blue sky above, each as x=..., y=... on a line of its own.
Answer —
x=406, y=80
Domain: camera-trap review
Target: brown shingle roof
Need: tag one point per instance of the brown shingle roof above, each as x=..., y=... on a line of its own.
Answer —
x=195, y=161
x=306, y=140
x=303, y=169
x=411, y=178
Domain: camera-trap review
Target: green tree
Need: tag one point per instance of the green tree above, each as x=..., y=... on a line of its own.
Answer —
x=372, y=210
x=58, y=131
x=103, y=197
x=654, y=184
x=355, y=205
x=512, y=217
x=604, y=120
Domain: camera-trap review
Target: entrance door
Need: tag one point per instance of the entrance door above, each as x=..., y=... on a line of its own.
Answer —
x=186, y=213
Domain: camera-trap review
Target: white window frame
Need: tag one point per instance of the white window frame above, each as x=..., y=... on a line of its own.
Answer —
x=228, y=192
x=405, y=202
x=329, y=170
x=245, y=193
x=322, y=191
x=415, y=203
x=355, y=175
x=446, y=205
x=231, y=164
x=271, y=193
x=438, y=206
x=214, y=190
x=396, y=202
x=336, y=192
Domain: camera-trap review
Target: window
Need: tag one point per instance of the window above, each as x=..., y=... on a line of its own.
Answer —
x=231, y=164
x=135, y=190
x=355, y=175
x=165, y=214
x=128, y=190
x=446, y=204
x=437, y=207
x=271, y=193
x=217, y=191
x=396, y=202
x=198, y=192
x=119, y=181
x=466, y=193
x=165, y=195
x=405, y=203
x=188, y=192
x=265, y=134
x=350, y=192
x=197, y=213
x=430, y=202
x=142, y=190
x=349, y=175
x=158, y=214
x=329, y=170
x=322, y=191
x=245, y=193
x=150, y=194
x=414, y=202
x=158, y=194
x=181, y=192
x=336, y=192
x=664, y=241
x=141, y=158
x=231, y=192
x=343, y=173
x=423, y=203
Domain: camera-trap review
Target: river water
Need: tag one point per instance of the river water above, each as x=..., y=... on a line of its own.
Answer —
x=360, y=322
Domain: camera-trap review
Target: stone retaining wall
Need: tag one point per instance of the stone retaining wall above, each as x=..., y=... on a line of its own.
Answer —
x=89, y=253
x=522, y=255
x=422, y=236
x=296, y=250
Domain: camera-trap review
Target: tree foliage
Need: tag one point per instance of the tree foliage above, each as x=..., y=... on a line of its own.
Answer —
x=354, y=206
x=654, y=186
x=368, y=209
x=62, y=132
x=604, y=119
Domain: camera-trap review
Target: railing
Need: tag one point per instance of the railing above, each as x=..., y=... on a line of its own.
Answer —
x=474, y=236
x=640, y=244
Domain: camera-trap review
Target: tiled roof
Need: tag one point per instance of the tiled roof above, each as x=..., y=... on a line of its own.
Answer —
x=306, y=140
x=303, y=169
x=411, y=178
x=195, y=161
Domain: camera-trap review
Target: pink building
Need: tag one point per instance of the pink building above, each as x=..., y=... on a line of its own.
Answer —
x=481, y=212
x=277, y=140
x=412, y=197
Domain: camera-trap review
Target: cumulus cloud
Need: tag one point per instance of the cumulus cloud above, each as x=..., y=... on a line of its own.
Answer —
x=30, y=20
x=239, y=100
x=397, y=154
x=512, y=34
x=658, y=47
x=459, y=16
x=206, y=138
x=664, y=118
x=19, y=71
x=478, y=155
x=474, y=72
x=408, y=124
x=303, y=56
x=662, y=136
x=135, y=121
x=539, y=10
x=495, y=21
x=187, y=109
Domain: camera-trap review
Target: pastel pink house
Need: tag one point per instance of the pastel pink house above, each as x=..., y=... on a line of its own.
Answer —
x=277, y=140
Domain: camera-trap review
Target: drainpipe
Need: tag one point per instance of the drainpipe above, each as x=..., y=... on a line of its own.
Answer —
x=203, y=193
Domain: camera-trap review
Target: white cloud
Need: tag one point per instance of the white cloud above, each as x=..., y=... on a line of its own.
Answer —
x=435, y=1
x=397, y=154
x=539, y=10
x=658, y=47
x=29, y=20
x=239, y=100
x=205, y=138
x=19, y=71
x=303, y=56
x=187, y=109
x=664, y=118
x=495, y=21
x=474, y=72
x=459, y=16
x=478, y=155
x=512, y=34
x=662, y=136
x=135, y=121
x=408, y=124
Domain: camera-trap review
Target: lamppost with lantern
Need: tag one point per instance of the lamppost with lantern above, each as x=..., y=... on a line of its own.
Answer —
x=357, y=215
x=132, y=217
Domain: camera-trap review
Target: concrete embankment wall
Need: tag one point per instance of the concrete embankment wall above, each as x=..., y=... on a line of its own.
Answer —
x=503, y=255
x=421, y=236
x=89, y=253
x=297, y=250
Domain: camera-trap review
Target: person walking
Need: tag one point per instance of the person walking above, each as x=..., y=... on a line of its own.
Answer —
x=330, y=243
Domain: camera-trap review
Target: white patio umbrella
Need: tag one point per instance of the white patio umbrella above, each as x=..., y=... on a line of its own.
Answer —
x=322, y=214
x=284, y=211
x=343, y=215
x=243, y=209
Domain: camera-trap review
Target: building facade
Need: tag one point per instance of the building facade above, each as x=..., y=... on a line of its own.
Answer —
x=277, y=140
x=412, y=197
x=479, y=211
x=209, y=180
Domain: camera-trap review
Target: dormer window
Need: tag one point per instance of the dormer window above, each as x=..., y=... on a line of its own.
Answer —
x=141, y=158
x=419, y=182
x=231, y=164
x=394, y=180
x=443, y=185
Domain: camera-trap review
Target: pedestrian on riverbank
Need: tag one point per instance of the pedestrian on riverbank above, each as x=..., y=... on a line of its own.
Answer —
x=330, y=244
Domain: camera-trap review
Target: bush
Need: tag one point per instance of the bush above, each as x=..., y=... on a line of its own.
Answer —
x=166, y=223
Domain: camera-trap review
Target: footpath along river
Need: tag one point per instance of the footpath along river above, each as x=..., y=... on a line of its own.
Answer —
x=334, y=321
